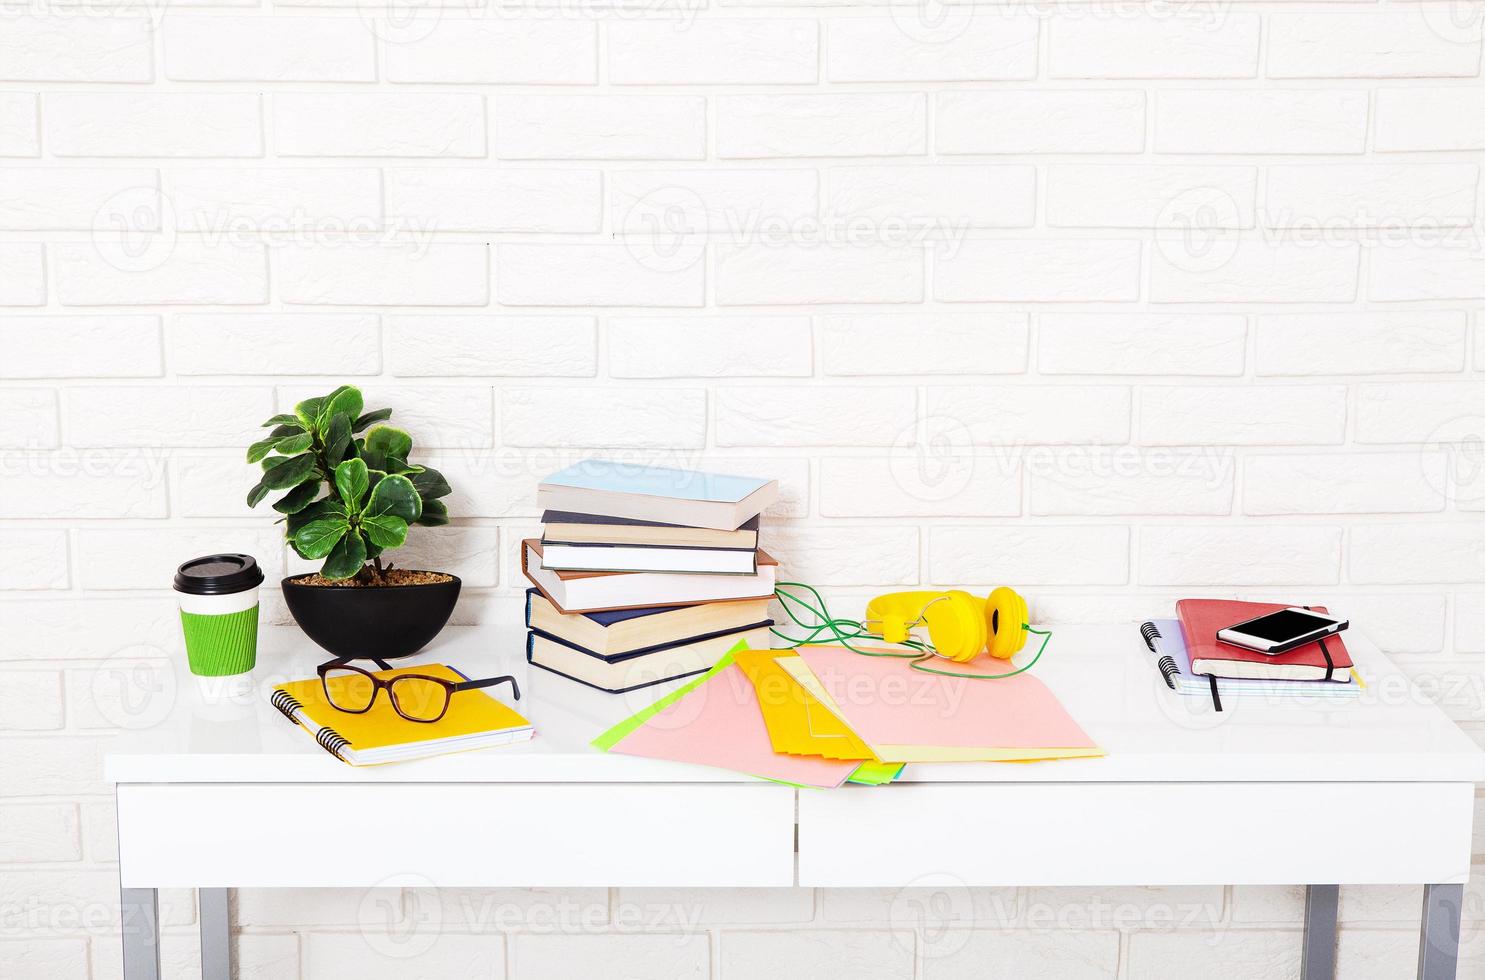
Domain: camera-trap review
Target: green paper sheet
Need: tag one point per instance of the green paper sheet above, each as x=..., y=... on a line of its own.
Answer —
x=875, y=773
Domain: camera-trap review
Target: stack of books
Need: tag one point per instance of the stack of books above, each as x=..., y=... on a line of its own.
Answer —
x=1194, y=662
x=644, y=574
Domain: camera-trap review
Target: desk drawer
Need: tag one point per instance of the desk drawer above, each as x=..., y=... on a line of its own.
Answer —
x=1137, y=834
x=455, y=834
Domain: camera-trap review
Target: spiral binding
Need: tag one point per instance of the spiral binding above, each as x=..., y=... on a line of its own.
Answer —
x=330, y=740
x=287, y=704
x=1166, y=664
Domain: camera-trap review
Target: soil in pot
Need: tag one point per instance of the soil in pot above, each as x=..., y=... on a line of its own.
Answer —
x=392, y=576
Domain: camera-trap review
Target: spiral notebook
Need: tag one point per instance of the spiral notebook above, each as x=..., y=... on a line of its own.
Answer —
x=474, y=720
x=1166, y=644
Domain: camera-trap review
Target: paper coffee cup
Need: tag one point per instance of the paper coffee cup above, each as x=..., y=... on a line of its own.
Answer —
x=219, y=613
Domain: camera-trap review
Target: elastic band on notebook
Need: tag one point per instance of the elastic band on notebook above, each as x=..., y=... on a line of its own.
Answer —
x=1325, y=652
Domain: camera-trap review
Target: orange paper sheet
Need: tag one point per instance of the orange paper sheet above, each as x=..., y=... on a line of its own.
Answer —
x=720, y=724
x=796, y=722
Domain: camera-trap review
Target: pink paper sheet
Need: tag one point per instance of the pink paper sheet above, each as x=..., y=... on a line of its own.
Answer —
x=888, y=703
x=720, y=724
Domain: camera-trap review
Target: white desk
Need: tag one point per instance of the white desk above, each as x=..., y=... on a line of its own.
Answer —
x=1378, y=791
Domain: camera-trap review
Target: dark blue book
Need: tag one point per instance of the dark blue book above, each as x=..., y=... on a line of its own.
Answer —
x=633, y=671
x=632, y=648
x=630, y=632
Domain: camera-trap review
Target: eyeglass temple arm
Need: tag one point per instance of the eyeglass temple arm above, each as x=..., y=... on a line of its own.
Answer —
x=350, y=662
x=490, y=682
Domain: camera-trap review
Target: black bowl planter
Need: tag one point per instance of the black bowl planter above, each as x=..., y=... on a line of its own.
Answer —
x=371, y=622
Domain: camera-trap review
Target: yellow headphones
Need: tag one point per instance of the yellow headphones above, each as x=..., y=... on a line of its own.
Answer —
x=960, y=626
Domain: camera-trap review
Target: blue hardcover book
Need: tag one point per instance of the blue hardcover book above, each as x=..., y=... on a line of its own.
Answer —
x=1164, y=640
x=688, y=498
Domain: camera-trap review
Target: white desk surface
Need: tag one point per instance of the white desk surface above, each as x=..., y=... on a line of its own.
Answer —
x=1102, y=674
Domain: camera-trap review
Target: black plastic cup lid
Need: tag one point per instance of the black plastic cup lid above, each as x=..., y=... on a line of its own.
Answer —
x=218, y=575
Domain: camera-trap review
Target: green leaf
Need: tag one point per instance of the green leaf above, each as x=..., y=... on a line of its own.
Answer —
x=431, y=485
x=435, y=514
x=344, y=400
x=352, y=483
x=389, y=464
x=298, y=498
x=346, y=558
x=256, y=494
x=389, y=442
x=394, y=495
x=315, y=539
x=286, y=430
x=260, y=449
x=380, y=415
x=338, y=439
x=291, y=472
x=385, y=531
x=284, y=420
x=296, y=443
x=319, y=510
x=307, y=411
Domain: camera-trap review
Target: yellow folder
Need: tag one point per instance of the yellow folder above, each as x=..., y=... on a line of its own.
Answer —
x=797, y=723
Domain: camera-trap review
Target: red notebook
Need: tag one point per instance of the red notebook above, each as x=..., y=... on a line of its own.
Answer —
x=1202, y=618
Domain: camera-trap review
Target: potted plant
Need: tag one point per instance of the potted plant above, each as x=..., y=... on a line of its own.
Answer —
x=348, y=499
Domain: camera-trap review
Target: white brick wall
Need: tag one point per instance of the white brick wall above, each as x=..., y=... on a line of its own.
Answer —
x=1116, y=303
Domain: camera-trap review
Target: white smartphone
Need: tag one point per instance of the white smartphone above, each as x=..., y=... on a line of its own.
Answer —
x=1281, y=631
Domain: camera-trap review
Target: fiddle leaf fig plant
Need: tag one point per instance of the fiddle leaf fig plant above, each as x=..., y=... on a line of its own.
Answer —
x=371, y=493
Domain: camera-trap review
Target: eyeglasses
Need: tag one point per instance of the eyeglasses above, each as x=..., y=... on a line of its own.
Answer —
x=416, y=697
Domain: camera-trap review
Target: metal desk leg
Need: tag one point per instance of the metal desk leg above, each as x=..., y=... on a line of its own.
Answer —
x=1438, y=946
x=216, y=934
x=1318, y=959
x=140, y=908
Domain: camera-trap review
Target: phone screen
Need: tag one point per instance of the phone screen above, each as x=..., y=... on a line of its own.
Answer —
x=1283, y=625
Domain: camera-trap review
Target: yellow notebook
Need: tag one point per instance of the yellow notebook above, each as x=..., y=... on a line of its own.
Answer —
x=474, y=720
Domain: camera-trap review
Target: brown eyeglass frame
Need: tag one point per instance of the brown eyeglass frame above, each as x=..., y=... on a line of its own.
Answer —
x=378, y=683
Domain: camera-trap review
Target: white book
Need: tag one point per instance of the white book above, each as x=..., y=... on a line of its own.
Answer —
x=574, y=592
x=644, y=558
